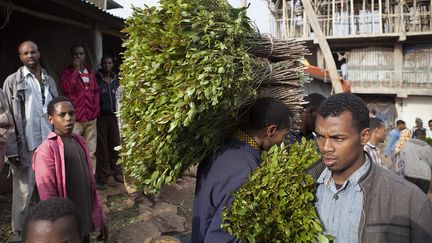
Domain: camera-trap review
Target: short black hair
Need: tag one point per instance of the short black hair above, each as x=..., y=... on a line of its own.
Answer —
x=342, y=102
x=419, y=132
x=375, y=123
x=400, y=122
x=56, y=100
x=106, y=56
x=429, y=121
x=269, y=111
x=53, y=209
x=314, y=100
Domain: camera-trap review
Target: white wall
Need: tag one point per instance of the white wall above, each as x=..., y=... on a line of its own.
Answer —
x=414, y=106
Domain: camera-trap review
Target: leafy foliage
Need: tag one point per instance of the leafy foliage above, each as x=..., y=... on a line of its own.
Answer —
x=276, y=204
x=185, y=64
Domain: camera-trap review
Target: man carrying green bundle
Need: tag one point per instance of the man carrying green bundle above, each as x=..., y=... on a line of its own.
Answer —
x=356, y=199
x=226, y=170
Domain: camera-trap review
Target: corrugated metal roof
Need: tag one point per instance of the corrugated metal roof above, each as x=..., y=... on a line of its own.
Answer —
x=92, y=5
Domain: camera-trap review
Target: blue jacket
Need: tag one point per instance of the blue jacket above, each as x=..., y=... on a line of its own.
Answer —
x=219, y=175
x=107, y=97
x=393, y=138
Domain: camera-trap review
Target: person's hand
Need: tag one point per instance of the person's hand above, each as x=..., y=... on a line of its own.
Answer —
x=104, y=234
x=15, y=160
x=77, y=63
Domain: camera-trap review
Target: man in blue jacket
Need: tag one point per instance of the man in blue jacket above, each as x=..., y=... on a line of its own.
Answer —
x=226, y=170
x=108, y=136
x=393, y=138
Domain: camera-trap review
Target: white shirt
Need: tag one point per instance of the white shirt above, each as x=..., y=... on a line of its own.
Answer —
x=36, y=126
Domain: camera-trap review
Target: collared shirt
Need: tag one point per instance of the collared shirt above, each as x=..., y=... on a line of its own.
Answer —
x=243, y=136
x=37, y=127
x=374, y=152
x=85, y=76
x=340, y=209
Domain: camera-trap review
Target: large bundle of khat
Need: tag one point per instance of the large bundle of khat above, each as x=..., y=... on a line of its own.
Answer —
x=276, y=204
x=191, y=68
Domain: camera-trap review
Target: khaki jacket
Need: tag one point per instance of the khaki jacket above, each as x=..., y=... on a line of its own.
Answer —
x=14, y=88
x=394, y=210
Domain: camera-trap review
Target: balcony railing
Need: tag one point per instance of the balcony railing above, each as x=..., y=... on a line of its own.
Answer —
x=353, y=20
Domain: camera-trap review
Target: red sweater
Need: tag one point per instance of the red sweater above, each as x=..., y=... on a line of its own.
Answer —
x=85, y=100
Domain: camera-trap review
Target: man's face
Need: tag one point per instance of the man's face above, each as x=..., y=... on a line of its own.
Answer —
x=380, y=133
x=29, y=55
x=339, y=142
x=419, y=124
x=401, y=126
x=107, y=64
x=430, y=125
x=276, y=136
x=78, y=54
x=63, y=118
x=61, y=230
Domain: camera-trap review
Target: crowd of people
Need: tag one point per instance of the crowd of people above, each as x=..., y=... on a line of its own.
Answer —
x=358, y=199
x=65, y=145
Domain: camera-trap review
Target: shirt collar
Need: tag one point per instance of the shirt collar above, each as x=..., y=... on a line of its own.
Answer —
x=326, y=178
x=27, y=72
x=243, y=136
x=371, y=145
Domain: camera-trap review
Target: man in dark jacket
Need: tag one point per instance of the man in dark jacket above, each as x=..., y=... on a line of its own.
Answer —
x=357, y=200
x=225, y=171
x=107, y=126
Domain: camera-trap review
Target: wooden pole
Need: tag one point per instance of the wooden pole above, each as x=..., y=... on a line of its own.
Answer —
x=305, y=25
x=373, y=16
x=364, y=16
x=325, y=48
x=328, y=20
x=415, y=15
x=380, y=16
x=333, y=17
x=292, y=20
x=353, y=31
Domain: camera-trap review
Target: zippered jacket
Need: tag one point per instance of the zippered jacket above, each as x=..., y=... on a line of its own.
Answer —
x=394, y=210
x=85, y=99
x=14, y=87
x=107, y=93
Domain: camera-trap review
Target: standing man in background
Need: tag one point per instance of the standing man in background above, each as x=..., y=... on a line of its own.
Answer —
x=393, y=138
x=28, y=92
x=108, y=136
x=429, y=131
x=417, y=156
x=378, y=135
x=419, y=125
x=308, y=116
x=79, y=83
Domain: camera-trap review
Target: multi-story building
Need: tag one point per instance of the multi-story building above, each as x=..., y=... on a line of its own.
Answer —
x=384, y=49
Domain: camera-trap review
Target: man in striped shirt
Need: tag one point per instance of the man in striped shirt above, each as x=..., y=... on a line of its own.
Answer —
x=378, y=135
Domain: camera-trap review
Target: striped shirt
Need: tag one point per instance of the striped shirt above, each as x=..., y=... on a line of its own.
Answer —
x=374, y=152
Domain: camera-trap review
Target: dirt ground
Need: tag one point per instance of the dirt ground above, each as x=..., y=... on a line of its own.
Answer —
x=170, y=214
